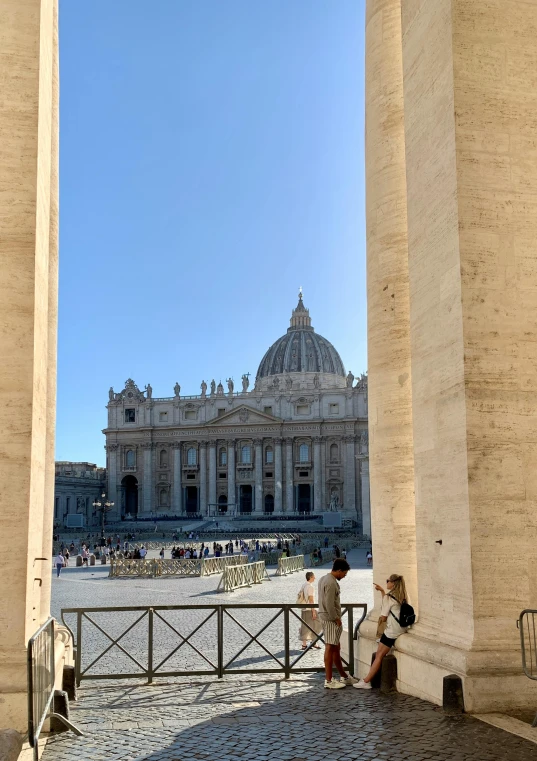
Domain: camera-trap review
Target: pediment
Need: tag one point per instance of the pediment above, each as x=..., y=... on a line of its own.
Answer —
x=244, y=415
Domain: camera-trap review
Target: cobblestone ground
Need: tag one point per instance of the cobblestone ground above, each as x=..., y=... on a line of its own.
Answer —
x=243, y=717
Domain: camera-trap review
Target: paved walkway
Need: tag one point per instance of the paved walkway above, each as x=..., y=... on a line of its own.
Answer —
x=267, y=719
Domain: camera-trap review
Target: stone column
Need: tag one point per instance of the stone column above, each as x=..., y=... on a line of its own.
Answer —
x=231, y=473
x=469, y=73
x=177, y=494
x=111, y=472
x=147, y=448
x=349, y=486
x=289, y=504
x=278, y=476
x=258, y=465
x=212, y=474
x=203, y=477
x=317, y=473
x=28, y=314
x=366, y=508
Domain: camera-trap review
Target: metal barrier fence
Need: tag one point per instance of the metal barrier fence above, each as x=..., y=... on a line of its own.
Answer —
x=206, y=640
x=236, y=576
x=328, y=556
x=41, y=666
x=290, y=565
x=156, y=568
x=527, y=625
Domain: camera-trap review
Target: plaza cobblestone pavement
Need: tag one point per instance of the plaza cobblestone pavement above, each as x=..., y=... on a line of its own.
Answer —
x=251, y=717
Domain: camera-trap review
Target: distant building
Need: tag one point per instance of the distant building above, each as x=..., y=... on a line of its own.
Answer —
x=296, y=444
x=77, y=485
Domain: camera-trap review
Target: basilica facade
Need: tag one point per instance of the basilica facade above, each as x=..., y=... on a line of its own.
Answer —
x=295, y=444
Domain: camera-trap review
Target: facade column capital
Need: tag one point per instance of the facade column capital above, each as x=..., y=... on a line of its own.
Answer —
x=317, y=439
x=203, y=444
x=288, y=440
x=258, y=442
x=147, y=445
x=212, y=443
x=177, y=444
x=111, y=447
x=349, y=439
x=277, y=440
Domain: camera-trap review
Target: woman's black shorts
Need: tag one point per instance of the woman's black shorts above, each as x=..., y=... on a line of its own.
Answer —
x=388, y=641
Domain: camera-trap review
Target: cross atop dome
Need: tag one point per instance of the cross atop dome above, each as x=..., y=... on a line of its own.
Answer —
x=300, y=317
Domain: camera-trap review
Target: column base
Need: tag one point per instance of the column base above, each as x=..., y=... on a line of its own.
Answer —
x=493, y=681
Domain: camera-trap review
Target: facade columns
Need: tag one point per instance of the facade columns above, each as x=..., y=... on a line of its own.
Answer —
x=366, y=508
x=231, y=475
x=278, y=476
x=349, y=486
x=317, y=475
x=147, y=448
x=111, y=472
x=203, y=478
x=177, y=490
x=258, y=502
x=212, y=474
x=289, y=504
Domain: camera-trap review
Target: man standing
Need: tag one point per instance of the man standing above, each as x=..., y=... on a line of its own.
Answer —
x=58, y=561
x=330, y=615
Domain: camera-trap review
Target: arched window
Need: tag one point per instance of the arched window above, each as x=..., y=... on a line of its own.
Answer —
x=246, y=454
x=304, y=453
x=334, y=453
x=163, y=497
x=191, y=456
x=269, y=456
x=130, y=461
x=222, y=456
x=163, y=460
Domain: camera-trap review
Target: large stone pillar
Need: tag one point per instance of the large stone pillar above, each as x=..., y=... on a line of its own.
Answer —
x=366, y=507
x=349, y=486
x=289, y=504
x=28, y=315
x=258, y=465
x=212, y=475
x=391, y=457
x=278, y=476
x=470, y=104
x=177, y=494
x=231, y=475
x=317, y=473
x=203, y=478
x=111, y=473
x=147, y=449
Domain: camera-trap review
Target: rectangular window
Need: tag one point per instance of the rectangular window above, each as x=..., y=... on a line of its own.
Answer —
x=303, y=473
x=268, y=474
x=190, y=414
x=191, y=476
x=221, y=411
x=130, y=415
x=267, y=410
x=333, y=409
x=302, y=409
x=163, y=417
x=222, y=475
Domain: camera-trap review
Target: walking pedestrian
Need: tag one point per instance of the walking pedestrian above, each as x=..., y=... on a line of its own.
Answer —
x=369, y=557
x=310, y=625
x=59, y=564
x=390, y=612
x=330, y=615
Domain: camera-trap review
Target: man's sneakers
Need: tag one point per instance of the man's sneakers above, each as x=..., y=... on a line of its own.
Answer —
x=361, y=685
x=350, y=680
x=334, y=684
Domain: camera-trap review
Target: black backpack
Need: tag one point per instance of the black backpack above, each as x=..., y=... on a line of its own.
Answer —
x=407, y=616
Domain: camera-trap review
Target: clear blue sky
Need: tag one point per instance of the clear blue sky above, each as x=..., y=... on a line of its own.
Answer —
x=211, y=163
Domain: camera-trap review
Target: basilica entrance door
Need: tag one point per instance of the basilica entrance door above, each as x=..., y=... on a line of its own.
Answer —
x=130, y=490
x=191, y=499
x=245, y=498
x=222, y=504
x=269, y=504
x=304, y=498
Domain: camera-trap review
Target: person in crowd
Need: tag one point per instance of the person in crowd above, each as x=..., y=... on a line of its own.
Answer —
x=206, y=552
x=310, y=625
x=389, y=613
x=161, y=553
x=59, y=561
x=143, y=552
x=330, y=615
x=84, y=554
x=369, y=557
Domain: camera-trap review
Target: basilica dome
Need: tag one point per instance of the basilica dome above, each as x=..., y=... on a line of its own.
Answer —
x=301, y=350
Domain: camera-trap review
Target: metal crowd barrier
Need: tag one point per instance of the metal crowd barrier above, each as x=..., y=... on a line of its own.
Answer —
x=238, y=576
x=211, y=635
x=527, y=626
x=41, y=679
x=328, y=556
x=156, y=568
x=290, y=565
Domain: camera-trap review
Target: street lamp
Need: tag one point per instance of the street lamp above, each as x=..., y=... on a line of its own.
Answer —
x=103, y=505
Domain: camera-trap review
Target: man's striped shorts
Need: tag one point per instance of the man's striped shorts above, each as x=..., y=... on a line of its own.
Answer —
x=332, y=632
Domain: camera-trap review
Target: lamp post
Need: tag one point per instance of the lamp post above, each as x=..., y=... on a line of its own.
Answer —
x=103, y=505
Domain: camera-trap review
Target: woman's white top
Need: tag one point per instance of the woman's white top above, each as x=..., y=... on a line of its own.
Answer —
x=389, y=604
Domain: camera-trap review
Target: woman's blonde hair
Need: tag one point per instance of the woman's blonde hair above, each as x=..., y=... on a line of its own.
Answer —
x=399, y=589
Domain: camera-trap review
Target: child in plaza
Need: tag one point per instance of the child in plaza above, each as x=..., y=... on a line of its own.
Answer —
x=389, y=613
